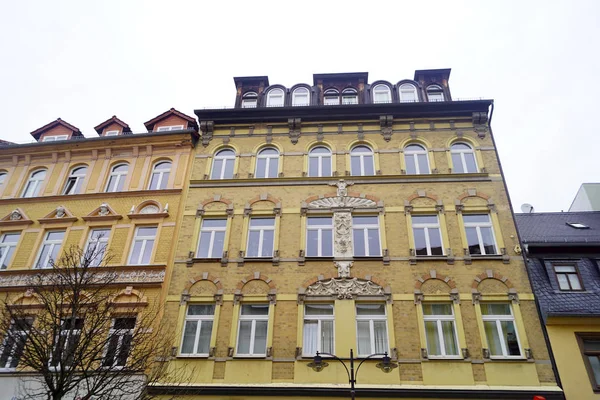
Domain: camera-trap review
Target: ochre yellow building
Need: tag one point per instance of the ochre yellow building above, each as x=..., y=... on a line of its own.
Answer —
x=347, y=215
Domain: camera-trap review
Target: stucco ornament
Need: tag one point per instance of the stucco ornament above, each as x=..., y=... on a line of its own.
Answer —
x=343, y=268
x=342, y=187
x=103, y=210
x=149, y=209
x=342, y=234
x=60, y=212
x=344, y=288
x=16, y=215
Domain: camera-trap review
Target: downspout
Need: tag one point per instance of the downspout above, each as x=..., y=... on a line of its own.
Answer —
x=523, y=253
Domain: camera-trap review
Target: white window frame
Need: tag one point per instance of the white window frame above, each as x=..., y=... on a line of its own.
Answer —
x=13, y=334
x=365, y=229
x=361, y=154
x=320, y=160
x=413, y=156
x=68, y=333
x=161, y=171
x=144, y=239
x=54, y=138
x=226, y=159
x=371, y=319
x=463, y=161
x=118, y=176
x=169, y=128
x=478, y=226
x=349, y=96
x=102, y=241
x=121, y=333
x=437, y=92
x=198, y=319
x=5, y=248
x=319, y=229
x=250, y=100
x=296, y=94
x=331, y=97
x=77, y=177
x=319, y=319
x=498, y=319
x=112, y=133
x=380, y=89
x=403, y=89
x=254, y=319
x=268, y=160
x=275, y=94
x=52, y=245
x=261, y=229
x=426, y=227
x=438, y=319
x=35, y=182
x=213, y=231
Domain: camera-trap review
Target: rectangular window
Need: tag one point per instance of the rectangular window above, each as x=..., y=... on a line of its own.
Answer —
x=480, y=234
x=66, y=342
x=353, y=99
x=169, y=128
x=111, y=133
x=500, y=330
x=212, y=238
x=318, y=329
x=143, y=243
x=8, y=244
x=261, y=237
x=567, y=277
x=371, y=329
x=319, y=237
x=590, y=347
x=95, y=248
x=55, y=138
x=331, y=100
x=119, y=342
x=440, y=330
x=252, y=330
x=50, y=248
x=249, y=103
x=14, y=343
x=198, y=329
x=427, y=234
x=365, y=232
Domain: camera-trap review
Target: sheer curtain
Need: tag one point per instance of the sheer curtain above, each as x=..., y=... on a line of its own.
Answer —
x=364, y=337
x=449, y=338
x=380, y=336
x=310, y=337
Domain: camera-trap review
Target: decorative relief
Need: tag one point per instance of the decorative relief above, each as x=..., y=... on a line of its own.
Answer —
x=343, y=268
x=333, y=202
x=103, y=210
x=149, y=209
x=344, y=288
x=60, y=212
x=117, y=277
x=16, y=215
x=342, y=240
x=207, y=130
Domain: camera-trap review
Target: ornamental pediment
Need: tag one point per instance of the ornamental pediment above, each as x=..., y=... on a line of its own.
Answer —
x=342, y=201
x=344, y=288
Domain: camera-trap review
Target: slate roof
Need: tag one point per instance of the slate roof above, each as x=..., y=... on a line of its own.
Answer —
x=552, y=228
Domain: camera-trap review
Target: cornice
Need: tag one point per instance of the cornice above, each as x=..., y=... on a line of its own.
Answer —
x=69, y=198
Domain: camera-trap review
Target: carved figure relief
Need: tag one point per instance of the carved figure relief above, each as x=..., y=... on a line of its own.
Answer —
x=344, y=288
x=103, y=210
x=342, y=234
x=60, y=212
x=15, y=215
x=343, y=268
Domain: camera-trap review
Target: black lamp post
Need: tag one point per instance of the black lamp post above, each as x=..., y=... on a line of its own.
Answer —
x=386, y=365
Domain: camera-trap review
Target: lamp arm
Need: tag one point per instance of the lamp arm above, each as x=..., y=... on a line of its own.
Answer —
x=340, y=360
x=372, y=355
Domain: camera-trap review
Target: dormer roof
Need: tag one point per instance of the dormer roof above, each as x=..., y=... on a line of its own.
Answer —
x=59, y=122
x=251, y=80
x=150, y=124
x=112, y=120
x=346, y=76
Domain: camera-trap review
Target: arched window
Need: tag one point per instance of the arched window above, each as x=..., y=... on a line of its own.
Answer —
x=382, y=94
x=249, y=100
x=416, y=159
x=331, y=97
x=34, y=183
x=435, y=93
x=116, y=181
x=301, y=97
x=319, y=162
x=361, y=161
x=267, y=163
x=463, y=158
x=75, y=180
x=408, y=93
x=223, y=164
x=349, y=96
x=275, y=98
x=160, y=176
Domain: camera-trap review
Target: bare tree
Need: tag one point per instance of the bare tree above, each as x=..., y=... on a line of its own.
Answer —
x=78, y=343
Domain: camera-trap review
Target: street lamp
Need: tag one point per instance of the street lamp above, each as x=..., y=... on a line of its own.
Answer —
x=386, y=365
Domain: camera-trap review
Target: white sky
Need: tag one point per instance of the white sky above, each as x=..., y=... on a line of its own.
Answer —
x=86, y=61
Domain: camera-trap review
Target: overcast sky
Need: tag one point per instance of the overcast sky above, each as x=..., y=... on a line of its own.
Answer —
x=539, y=60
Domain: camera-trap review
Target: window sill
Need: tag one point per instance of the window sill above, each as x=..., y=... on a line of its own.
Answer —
x=445, y=358
x=206, y=259
x=317, y=258
x=486, y=256
x=251, y=357
x=516, y=359
x=366, y=258
x=258, y=259
x=196, y=356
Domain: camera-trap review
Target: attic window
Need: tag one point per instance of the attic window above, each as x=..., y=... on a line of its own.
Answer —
x=169, y=128
x=111, y=133
x=54, y=138
x=577, y=225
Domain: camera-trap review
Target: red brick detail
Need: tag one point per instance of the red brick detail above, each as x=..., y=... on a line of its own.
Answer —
x=258, y=198
x=479, y=194
x=199, y=278
x=481, y=277
x=427, y=195
x=221, y=200
x=252, y=277
x=424, y=278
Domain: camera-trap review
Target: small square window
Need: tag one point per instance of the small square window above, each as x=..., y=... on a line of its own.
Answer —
x=567, y=277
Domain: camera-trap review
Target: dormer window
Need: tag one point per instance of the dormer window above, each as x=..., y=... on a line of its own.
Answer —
x=54, y=138
x=111, y=133
x=382, y=94
x=169, y=128
x=408, y=93
x=249, y=100
x=301, y=97
x=275, y=98
x=435, y=93
x=331, y=97
x=349, y=96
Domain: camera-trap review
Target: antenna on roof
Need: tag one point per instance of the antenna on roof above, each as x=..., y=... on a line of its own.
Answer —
x=527, y=208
